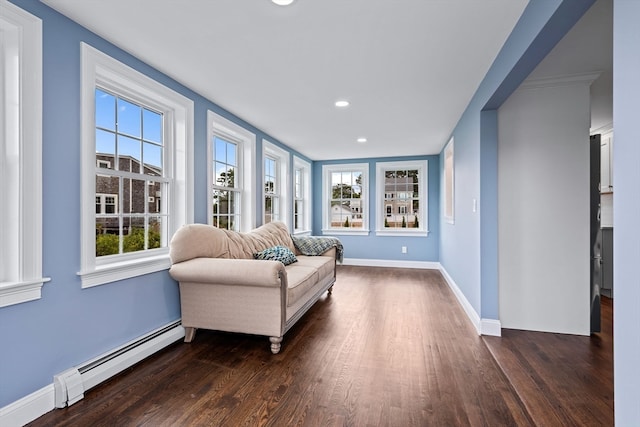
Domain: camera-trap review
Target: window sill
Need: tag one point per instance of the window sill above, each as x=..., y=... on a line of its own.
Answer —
x=345, y=232
x=124, y=269
x=302, y=233
x=12, y=293
x=403, y=233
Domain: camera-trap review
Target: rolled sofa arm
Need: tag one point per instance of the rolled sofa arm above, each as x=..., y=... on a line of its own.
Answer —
x=248, y=272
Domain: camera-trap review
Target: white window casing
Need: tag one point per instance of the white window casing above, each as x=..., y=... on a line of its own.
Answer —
x=244, y=181
x=20, y=156
x=403, y=198
x=100, y=70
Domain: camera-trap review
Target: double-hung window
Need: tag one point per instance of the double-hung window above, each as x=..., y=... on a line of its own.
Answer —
x=345, y=208
x=275, y=183
x=231, y=160
x=137, y=144
x=226, y=194
x=20, y=155
x=401, y=198
x=301, y=196
x=271, y=190
x=130, y=176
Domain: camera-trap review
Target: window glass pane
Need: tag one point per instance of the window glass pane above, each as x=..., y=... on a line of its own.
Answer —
x=152, y=126
x=105, y=110
x=133, y=196
x=232, y=208
x=231, y=154
x=220, y=149
x=216, y=198
x=105, y=148
x=107, y=185
x=270, y=183
x=129, y=118
x=129, y=155
x=155, y=231
x=152, y=155
x=220, y=174
x=268, y=210
x=154, y=198
x=230, y=177
x=133, y=234
x=107, y=242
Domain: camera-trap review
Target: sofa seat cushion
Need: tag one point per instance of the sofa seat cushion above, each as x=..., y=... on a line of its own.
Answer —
x=300, y=279
x=324, y=264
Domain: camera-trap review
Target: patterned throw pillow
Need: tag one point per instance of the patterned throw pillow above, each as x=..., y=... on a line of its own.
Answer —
x=277, y=253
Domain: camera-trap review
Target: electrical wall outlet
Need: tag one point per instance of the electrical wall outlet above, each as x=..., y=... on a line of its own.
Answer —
x=404, y=249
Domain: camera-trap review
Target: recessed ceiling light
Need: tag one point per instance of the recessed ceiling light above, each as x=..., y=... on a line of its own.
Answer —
x=282, y=2
x=361, y=140
x=342, y=103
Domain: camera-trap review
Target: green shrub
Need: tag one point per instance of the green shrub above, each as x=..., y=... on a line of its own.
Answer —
x=107, y=244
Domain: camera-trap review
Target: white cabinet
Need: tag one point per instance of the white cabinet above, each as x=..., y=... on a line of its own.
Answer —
x=606, y=163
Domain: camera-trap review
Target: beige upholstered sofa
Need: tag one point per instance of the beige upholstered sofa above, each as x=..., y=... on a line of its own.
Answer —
x=222, y=286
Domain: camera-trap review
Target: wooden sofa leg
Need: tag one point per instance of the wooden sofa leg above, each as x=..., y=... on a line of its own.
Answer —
x=189, y=334
x=275, y=344
x=330, y=290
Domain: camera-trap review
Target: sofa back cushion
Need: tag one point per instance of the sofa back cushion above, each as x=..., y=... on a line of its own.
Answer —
x=206, y=241
x=198, y=241
x=244, y=245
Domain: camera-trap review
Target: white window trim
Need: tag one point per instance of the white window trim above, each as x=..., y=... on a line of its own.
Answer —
x=282, y=158
x=422, y=167
x=100, y=69
x=449, y=151
x=21, y=129
x=327, y=170
x=305, y=167
x=226, y=129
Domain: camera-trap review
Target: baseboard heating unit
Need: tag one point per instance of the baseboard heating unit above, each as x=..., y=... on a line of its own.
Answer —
x=71, y=384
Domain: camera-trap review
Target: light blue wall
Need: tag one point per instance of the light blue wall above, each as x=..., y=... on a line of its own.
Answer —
x=463, y=244
x=69, y=325
x=626, y=211
x=386, y=247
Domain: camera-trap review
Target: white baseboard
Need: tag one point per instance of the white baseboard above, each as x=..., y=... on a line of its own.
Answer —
x=491, y=327
x=464, y=302
x=391, y=263
x=28, y=408
x=40, y=402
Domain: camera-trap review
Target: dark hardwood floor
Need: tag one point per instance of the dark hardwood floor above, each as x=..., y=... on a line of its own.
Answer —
x=390, y=347
x=561, y=379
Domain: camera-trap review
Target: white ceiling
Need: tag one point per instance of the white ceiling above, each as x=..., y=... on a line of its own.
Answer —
x=409, y=68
